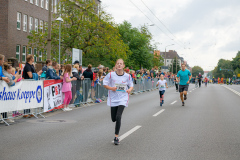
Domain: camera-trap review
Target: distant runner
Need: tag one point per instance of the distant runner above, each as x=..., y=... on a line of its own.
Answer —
x=206, y=81
x=185, y=76
x=162, y=88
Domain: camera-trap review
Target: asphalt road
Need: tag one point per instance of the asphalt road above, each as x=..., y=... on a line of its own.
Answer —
x=206, y=128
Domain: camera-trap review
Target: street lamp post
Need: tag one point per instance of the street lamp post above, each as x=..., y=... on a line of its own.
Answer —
x=165, y=54
x=60, y=20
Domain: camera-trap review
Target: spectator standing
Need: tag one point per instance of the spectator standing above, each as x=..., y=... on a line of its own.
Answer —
x=62, y=69
x=104, y=71
x=7, y=72
x=76, y=63
x=58, y=70
x=80, y=71
x=51, y=71
x=107, y=70
x=48, y=63
x=76, y=90
x=29, y=72
x=2, y=77
x=66, y=88
x=88, y=74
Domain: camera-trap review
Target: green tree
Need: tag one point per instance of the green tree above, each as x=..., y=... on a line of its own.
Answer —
x=138, y=41
x=236, y=63
x=82, y=28
x=173, y=67
x=196, y=70
x=157, y=60
x=226, y=66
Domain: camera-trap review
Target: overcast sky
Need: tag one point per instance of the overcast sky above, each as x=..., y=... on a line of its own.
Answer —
x=207, y=29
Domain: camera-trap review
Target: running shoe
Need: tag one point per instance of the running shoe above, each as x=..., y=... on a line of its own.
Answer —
x=116, y=141
x=64, y=109
x=185, y=97
x=182, y=103
x=162, y=101
x=69, y=109
x=160, y=104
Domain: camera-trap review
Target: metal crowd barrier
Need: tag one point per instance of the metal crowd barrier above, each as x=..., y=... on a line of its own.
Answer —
x=85, y=92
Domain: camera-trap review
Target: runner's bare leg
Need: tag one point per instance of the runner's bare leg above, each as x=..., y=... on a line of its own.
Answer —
x=181, y=96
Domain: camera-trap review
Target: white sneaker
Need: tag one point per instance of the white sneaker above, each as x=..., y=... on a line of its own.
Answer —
x=69, y=109
x=64, y=109
x=10, y=120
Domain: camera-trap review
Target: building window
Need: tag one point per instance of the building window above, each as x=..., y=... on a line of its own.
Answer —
x=42, y=3
x=29, y=50
x=24, y=54
x=55, y=8
x=40, y=55
x=167, y=60
x=31, y=1
x=36, y=24
x=18, y=21
x=45, y=26
x=41, y=25
x=35, y=54
x=25, y=23
x=18, y=52
x=30, y=23
x=36, y=2
x=46, y=5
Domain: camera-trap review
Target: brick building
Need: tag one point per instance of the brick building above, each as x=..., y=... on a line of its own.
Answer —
x=17, y=19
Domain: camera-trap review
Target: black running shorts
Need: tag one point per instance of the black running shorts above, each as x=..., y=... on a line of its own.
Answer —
x=183, y=88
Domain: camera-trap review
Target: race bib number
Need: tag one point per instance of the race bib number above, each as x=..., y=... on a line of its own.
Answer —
x=121, y=87
x=162, y=86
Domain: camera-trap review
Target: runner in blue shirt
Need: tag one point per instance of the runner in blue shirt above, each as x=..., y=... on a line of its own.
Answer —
x=185, y=77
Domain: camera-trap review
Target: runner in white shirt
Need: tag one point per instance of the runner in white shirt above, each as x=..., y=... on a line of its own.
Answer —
x=162, y=87
x=118, y=95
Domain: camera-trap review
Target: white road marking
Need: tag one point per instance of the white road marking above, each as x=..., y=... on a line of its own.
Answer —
x=158, y=112
x=128, y=133
x=173, y=102
x=234, y=91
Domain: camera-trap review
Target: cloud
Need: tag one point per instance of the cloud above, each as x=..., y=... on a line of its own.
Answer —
x=210, y=28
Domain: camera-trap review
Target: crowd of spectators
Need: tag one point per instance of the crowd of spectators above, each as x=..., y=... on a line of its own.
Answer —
x=53, y=70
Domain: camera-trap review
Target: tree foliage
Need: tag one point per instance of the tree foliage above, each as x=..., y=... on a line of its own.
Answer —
x=82, y=28
x=141, y=50
x=196, y=70
x=226, y=67
x=173, y=67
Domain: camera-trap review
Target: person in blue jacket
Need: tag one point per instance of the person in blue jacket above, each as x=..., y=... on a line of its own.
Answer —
x=2, y=77
x=51, y=72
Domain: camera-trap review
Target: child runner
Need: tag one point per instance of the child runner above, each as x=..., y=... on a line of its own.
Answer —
x=66, y=88
x=162, y=87
x=117, y=84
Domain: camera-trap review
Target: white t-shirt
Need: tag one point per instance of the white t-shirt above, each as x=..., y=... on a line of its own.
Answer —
x=122, y=82
x=162, y=85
